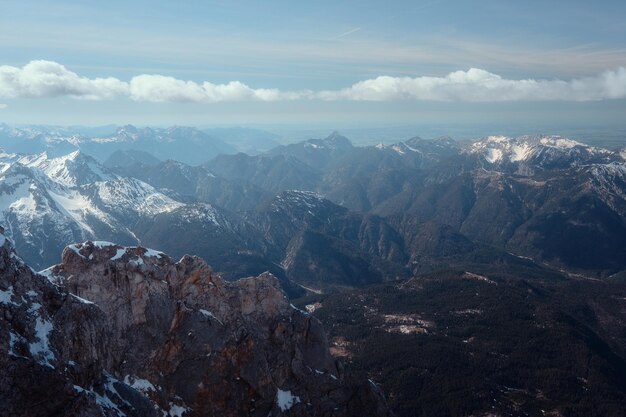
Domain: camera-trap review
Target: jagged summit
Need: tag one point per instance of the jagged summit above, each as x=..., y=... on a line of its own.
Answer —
x=73, y=169
x=127, y=331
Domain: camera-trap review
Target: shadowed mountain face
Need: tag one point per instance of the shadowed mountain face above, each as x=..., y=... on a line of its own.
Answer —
x=126, y=331
x=548, y=198
x=322, y=244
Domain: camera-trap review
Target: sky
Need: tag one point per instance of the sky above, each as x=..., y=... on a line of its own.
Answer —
x=327, y=63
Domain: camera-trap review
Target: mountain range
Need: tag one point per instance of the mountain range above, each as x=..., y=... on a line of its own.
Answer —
x=381, y=212
x=376, y=241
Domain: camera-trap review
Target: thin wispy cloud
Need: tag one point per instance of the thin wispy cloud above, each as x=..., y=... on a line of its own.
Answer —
x=39, y=79
x=3, y=106
x=343, y=35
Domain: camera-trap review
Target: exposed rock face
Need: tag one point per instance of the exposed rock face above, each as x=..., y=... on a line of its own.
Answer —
x=159, y=337
x=54, y=350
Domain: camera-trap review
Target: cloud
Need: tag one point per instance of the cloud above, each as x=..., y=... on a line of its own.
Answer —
x=50, y=79
x=477, y=85
x=3, y=106
x=158, y=88
x=39, y=79
x=344, y=34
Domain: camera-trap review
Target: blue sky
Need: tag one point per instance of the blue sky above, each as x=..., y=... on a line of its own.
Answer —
x=312, y=62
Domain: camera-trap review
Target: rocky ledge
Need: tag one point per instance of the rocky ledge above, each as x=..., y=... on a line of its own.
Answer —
x=127, y=331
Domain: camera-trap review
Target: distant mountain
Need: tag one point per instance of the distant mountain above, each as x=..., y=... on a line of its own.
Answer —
x=557, y=201
x=196, y=184
x=272, y=173
x=31, y=140
x=49, y=202
x=375, y=214
x=185, y=144
x=538, y=152
x=130, y=158
x=317, y=153
x=244, y=139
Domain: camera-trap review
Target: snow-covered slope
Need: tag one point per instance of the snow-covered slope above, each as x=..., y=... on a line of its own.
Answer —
x=539, y=151
x=71, y=170
x=47, y=203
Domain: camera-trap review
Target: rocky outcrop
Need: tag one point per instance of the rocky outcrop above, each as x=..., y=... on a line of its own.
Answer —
x=159, y=337
x=54, y=350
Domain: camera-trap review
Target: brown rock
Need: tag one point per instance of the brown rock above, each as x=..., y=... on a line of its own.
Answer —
x=182, y=339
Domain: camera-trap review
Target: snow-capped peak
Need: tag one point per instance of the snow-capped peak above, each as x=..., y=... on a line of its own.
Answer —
x=540, y=149
x=69, y=170
x=53, y=201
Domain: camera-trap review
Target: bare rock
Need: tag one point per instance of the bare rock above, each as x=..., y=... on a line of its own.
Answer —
x=128, y=331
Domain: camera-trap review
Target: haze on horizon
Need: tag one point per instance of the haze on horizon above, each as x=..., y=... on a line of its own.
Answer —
x=324, y=63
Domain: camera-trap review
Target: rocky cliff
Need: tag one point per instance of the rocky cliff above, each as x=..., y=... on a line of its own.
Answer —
x=127, y=331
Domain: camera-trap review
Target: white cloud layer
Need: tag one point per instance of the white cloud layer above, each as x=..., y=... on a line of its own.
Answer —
x=158, y=88
x=3, y=106
x=477, y=85
x=50, y=79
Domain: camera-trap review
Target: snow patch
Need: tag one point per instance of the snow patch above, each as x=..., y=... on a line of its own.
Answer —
x=48, y=273
x=74, y=248
x=285, y=400
x=497, y=139
x=82, y=300
x=153, y=253
x=75, y=206
x=312, y=308
x=118, y=255
x=6, y=296
x=298, y=310
x=40, y=350
x=317, y=371
x=493, y=155
x=520, y=152
x=210, y=315
x=177, y=410
x=102, y=244
x=558, y=142
x=139, y=384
